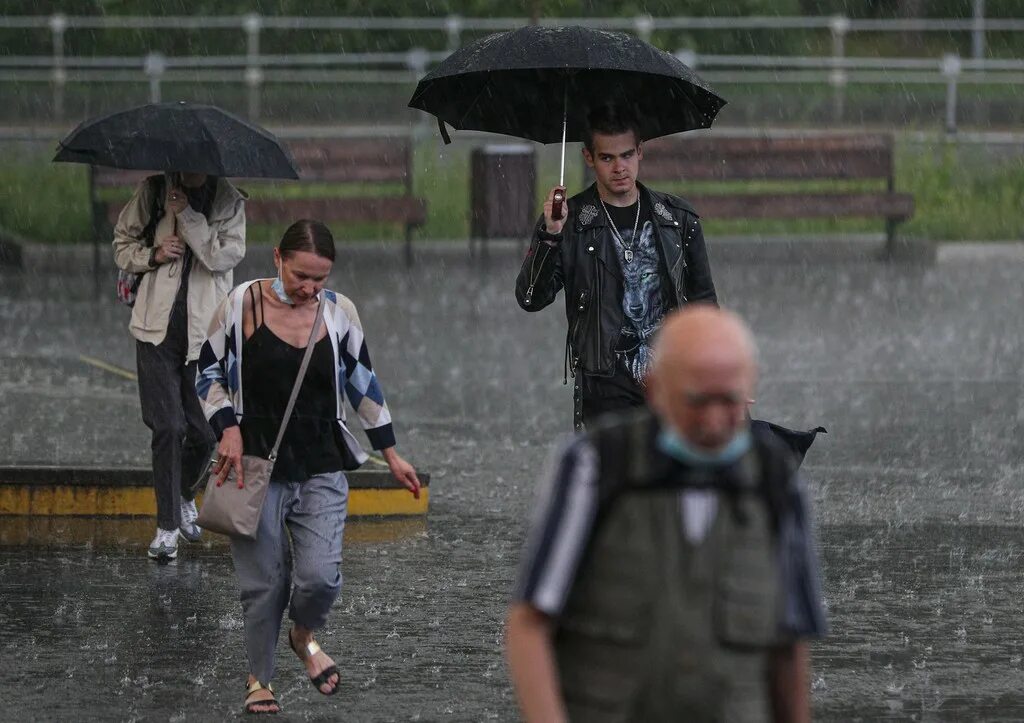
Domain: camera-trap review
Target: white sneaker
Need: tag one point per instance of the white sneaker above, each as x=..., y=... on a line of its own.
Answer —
x=164, y=546
x=189, y=529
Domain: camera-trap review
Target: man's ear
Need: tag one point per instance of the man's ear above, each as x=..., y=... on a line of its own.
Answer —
x=588, y=157
x=640, y=151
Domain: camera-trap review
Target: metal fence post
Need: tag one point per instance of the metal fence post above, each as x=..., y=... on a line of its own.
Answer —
x=58, y=24
x=416, y=60
x=155, y=66
x=644, y=27
x=453, y=26
x=978, y=32
x=252, y=23
x=688, y=57
x=951, y=69
x=839, y=25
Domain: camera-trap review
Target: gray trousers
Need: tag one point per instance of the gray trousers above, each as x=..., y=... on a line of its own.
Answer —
x=296, y=555
x=182, y=438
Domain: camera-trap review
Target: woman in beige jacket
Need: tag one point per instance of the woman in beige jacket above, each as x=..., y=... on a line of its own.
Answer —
x=186, y=269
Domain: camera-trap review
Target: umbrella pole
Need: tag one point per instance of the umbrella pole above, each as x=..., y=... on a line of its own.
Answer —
x=561, y=177
x=559, y=197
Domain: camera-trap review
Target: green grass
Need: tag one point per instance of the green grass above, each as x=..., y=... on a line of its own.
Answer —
x=961, y=193
x=44, y=201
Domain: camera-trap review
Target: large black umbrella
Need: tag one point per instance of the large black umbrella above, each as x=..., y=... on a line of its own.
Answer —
x=178, y=136
x=540, y=82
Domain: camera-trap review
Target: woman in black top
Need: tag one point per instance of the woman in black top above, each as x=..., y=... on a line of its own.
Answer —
x=245, y=384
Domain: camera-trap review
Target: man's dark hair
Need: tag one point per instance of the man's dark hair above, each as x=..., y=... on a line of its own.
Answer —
x=307, y=235
x=610, y=120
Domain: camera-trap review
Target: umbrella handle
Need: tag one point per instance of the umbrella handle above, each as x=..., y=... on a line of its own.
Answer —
x=556, y=204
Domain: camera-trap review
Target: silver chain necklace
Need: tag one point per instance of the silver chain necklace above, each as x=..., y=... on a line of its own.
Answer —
x=627, y=248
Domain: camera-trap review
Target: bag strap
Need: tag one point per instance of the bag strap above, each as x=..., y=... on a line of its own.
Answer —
x=298, y=380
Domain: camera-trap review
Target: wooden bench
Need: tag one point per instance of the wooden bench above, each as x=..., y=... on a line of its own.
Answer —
x=833, y=157
x=365, y=161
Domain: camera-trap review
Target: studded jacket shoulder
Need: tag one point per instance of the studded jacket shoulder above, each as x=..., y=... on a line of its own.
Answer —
x=580, y=260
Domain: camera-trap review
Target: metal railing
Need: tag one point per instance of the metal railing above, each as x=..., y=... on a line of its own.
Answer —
x=254, y=69
x=406, y=69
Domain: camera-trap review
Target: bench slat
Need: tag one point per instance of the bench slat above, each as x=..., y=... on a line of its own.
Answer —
x=336, y=160
x=721, y=159
x=895, y=206
x=115, y=177
x=373, y=160
x=380, y=209
x=384, y=209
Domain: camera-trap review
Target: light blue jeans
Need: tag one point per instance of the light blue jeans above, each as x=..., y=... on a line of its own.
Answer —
x=296, y=555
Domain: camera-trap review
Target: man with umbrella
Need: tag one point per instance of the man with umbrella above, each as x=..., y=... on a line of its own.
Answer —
x=184, y=233
x=625, y=256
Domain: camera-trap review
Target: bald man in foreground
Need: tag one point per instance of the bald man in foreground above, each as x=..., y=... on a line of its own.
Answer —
x=670, y=573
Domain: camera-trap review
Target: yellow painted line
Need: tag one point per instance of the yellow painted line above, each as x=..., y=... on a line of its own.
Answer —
x=63, y=500
x=100, y=364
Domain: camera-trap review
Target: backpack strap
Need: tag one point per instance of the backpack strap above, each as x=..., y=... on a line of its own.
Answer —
x=625, y=445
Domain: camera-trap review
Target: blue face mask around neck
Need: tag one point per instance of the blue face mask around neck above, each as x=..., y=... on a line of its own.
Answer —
x=672, y=443
x=278, y=288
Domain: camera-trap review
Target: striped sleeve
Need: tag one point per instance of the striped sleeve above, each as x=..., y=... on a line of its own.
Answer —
x=360, y=382
x=560, y=530
x=216, y=366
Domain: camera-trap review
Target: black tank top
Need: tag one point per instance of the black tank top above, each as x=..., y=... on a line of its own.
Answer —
x=312, y=442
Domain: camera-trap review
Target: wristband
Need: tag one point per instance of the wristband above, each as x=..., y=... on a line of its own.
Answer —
x=543, y=235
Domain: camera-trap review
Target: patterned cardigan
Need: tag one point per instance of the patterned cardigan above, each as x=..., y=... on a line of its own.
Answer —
x=219, y=380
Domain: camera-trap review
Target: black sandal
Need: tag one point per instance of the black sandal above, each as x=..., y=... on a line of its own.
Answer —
x=250, y=706
x=312, y=648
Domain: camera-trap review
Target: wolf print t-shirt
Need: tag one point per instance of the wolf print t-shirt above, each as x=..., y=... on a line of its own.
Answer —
x=644, y=305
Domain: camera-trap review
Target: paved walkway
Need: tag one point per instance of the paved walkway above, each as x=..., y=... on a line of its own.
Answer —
x=916, y=371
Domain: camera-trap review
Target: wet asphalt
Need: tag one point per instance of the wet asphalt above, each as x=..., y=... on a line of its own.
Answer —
x=915, y=370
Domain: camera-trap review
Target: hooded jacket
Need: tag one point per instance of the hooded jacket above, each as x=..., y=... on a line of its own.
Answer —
x=217, y=244
x=582, y=260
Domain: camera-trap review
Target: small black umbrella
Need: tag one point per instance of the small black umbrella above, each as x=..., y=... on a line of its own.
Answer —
x=178, y=137
x=798, y=442
x=540, y=82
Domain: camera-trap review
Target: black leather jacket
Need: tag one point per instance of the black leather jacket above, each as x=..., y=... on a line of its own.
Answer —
x=584, y=259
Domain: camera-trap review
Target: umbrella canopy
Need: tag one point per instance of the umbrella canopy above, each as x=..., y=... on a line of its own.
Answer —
x=796, y=441
x=526, y=82
x=178, y=137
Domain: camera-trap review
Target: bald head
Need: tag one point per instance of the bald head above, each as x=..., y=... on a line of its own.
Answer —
x=704, y=373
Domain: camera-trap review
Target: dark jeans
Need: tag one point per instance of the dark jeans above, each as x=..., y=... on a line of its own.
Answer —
x=182, y=438
x=600, y=396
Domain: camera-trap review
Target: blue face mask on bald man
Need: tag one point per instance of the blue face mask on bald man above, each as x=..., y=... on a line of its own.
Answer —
x=674, y=445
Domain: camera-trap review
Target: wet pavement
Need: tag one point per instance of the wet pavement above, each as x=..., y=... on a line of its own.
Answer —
x=915, y=371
